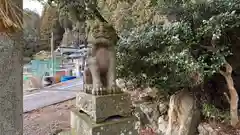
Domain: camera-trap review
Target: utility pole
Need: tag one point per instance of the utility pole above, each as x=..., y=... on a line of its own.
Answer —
x=52, y=53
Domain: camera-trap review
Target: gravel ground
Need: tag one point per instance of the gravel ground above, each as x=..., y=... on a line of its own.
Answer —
x=48, y=120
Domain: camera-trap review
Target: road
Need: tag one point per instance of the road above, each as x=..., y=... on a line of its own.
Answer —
x=51, y=95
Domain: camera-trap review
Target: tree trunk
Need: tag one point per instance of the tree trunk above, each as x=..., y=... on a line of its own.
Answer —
x=233, y=94
x=11, y=93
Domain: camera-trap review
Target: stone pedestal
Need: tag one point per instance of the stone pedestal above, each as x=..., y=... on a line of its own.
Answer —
x=102, y=115
x=82, y=124
x=99, y=108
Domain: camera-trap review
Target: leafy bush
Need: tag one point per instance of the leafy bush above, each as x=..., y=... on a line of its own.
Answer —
x=211, y=112
x=184, y=52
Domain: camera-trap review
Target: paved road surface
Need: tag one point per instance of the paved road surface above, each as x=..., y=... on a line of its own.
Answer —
x=51, y=95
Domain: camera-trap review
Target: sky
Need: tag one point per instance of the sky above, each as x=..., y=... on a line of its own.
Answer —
x=33, y=5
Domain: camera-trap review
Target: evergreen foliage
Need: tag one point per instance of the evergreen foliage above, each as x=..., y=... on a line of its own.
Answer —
x=184, y=52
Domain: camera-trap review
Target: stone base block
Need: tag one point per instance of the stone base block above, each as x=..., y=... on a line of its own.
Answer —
x=82, y=124
x=99, y=108
x=65, y=133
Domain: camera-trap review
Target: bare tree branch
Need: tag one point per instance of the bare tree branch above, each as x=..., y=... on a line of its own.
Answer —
x=228, y=99
x=228, y=70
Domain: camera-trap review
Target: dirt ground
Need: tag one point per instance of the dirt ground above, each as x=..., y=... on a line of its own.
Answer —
x=48, y=120
x=56, y=118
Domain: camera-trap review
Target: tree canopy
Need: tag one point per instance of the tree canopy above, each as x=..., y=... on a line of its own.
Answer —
x=184, y=52
x=201, y=37
x=31, y=33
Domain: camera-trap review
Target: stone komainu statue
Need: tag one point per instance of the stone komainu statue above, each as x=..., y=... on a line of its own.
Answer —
x=100, y=71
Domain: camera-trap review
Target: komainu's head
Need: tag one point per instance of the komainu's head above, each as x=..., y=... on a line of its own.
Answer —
x=103, y=33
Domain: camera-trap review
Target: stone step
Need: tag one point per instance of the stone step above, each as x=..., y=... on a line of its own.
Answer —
x=82, y=124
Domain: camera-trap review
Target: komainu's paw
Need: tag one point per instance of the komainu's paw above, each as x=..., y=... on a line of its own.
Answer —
x=98, y=90
x=87, y=88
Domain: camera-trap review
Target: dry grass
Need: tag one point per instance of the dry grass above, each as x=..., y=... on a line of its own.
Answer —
x=10, y=16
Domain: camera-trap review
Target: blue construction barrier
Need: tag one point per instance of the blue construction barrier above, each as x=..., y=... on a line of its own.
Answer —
x=66, y=78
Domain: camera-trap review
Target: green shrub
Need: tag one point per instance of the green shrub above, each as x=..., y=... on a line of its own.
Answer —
x=175, y=55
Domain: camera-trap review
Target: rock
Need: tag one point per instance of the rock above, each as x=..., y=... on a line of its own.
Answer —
x=141, y=117
x=120, y=83
x=126, y=86
x=152, y=113
x=162, y=125
x=206, y=129
x=183, y=113
x=152, y=92
x=148, y=107
x=163, y=108
x=32, y=83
